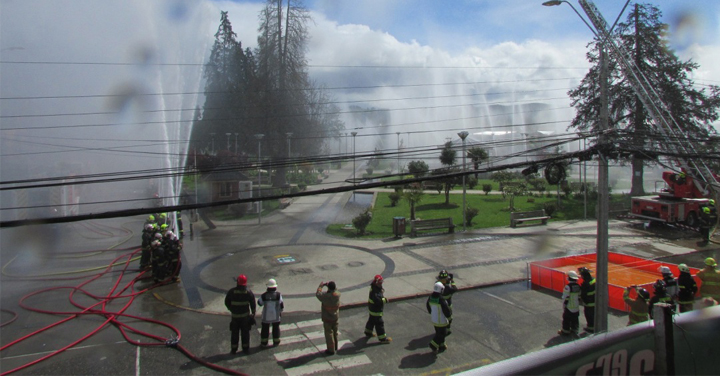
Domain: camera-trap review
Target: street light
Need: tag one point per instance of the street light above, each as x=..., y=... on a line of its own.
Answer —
x=353, y=134
x=463, y=135
x=228, y=140
x=398, y=155
x=601, y=272
x=212, y=150
x=236, y=138
x=259, y=137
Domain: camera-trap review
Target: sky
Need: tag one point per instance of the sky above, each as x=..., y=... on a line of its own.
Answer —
x=112, y=83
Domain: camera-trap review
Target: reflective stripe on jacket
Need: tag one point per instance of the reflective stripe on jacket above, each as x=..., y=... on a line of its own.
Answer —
x=587, y=293
x=273, y=305
x=439, y=310
x=240, y=301
x=376, y=301
x=710, y=286
x=571, y=297
x=638, y=309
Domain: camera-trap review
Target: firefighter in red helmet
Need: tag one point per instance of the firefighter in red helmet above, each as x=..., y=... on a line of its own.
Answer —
x=240, y=301
x=376, y=303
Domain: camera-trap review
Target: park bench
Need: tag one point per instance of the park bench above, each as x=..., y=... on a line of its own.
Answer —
x=431, y=224
x=533, y=215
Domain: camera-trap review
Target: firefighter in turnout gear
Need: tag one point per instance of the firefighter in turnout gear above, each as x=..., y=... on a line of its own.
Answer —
x=571, y=306
x=638, y=306
x=273, y=305
x=440, y=313
x=449, y=288
x=708, y=219
x=687, y=288
x=660, y=296
x=240, y=301
x=159, y=261
x=710, y=278
x=671, y=284
x=587, y=298
x=376, y=304
x=173, y=246
x=146, y=246
x=181, y=232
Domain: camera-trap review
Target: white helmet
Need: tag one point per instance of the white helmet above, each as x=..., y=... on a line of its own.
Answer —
x=149, y=226
x=169, y=234
x=665, y=270
x=572, y=275
x=158, y=235
x=271, y=283
x=684, y=268
x=439, y=287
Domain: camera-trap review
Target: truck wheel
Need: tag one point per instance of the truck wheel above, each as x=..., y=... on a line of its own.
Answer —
x=692, y=220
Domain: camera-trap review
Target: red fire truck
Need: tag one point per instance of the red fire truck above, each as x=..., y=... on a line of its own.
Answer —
x=680, y=202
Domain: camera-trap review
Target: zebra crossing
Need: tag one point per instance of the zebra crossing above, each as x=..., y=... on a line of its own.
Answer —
x=310, y=358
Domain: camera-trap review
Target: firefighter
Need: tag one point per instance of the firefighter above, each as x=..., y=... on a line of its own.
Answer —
x=708, y=219
x=660, y=296
x=181, y=232
x=571, y=306
x=587, y=298
x=638, y=306
x=687, y=288
x=159, y=261
x=273, y=305
x=240, y=301
x=146, y=247
x=376, y=303
x=671, y=284
x=449, y=288
x=440, y=313
x=710, y=278
x=173, y=247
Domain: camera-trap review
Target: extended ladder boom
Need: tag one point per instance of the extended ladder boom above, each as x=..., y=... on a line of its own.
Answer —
x=676, y=139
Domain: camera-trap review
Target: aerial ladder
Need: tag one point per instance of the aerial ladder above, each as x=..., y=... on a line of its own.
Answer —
x=688, y=191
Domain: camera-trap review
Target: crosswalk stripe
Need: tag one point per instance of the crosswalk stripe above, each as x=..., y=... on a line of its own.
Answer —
x=283, y=356
x=301, y=337
x=347, y=362
x=305, y=324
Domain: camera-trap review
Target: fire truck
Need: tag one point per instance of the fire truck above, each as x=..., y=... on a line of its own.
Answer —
x=689, y=188
x=679, y=203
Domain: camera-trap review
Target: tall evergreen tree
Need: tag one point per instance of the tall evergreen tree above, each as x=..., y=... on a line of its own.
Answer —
x=693, y=108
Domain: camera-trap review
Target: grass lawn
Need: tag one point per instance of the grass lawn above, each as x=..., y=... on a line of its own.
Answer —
x=493, y=211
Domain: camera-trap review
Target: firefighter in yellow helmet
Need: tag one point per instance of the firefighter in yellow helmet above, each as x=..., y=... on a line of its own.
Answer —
x=708, y=219
x=710, y=280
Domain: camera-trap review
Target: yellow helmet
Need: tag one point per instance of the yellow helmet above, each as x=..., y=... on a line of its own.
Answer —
x=710, y=262
x=706, y=210
x=711, y=202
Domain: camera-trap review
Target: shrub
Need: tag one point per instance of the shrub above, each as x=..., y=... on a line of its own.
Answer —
x=549, y=208
x=394, y=198
x=487, y=188
x=470, y=213
x=302, y=186
x=530, y=199
x=369, y=171
x=472, y=183
x=294, y=189
x=238, y=210
x=362, y=221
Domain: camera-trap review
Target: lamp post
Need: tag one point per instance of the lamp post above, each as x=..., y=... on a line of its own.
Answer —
x=398, y=155
x=289, y=134
x=353, y=134
x=259, y=137
x=236, y=138
x=601, y=272
x=463, y=135
x=212, y=150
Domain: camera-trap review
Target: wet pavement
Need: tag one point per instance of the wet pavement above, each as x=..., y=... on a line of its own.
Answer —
x=502, y=317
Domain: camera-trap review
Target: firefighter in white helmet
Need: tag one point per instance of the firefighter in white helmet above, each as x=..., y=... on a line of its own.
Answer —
x=571, y=305
x=440, y=314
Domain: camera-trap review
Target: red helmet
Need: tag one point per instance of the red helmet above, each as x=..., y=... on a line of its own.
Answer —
x=378, y=279
x=242, y=280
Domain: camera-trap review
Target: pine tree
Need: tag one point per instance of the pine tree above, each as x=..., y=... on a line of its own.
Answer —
x=694, y=109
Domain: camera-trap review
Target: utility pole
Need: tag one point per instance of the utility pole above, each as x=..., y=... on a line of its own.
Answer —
x=259, y=137
x=601, y=272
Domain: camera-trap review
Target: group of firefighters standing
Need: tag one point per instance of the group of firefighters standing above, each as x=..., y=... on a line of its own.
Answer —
x=241, y=303
x=160, y=248
x=679, y=291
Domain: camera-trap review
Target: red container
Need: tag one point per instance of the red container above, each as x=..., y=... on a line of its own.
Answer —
x=623, y=271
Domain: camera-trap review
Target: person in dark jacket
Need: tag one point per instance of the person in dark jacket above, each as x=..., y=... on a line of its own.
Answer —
x=687, y=288
x=660, y=296
x=440, y=313
x=449, y=288
x=273, y=305
x=587, y=298
x=173, y=246
x=330, y=314
x=146, y=246
x=240, y=301
x=376, y=303
x=159, y=261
